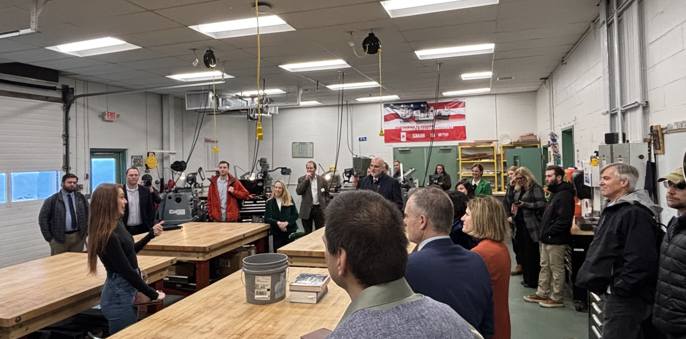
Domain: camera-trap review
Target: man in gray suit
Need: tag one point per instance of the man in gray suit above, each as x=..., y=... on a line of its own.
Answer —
x=315, y=194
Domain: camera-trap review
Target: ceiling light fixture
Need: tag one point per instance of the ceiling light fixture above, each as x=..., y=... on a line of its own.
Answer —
x=401, y=8
x=243, y=27
x=315, y=65
x=475, y=76
x=94, y=47
x=271, y=91
x=200, y=76
x=467, y=92
x=377, y=98
x=354, y=85
x=457, y=51
x=310, y=103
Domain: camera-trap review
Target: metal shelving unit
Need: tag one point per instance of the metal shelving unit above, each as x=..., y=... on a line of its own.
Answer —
x=489, y=164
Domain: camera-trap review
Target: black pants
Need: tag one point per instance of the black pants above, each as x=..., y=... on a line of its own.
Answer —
x=530, y=255
x=515, y=245
x=316, y=215
x=628, y=318
x=140, y=229
x=279, y=239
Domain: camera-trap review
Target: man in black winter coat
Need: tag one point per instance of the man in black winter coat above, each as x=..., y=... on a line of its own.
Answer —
x=379, y=182
x=555, y=236
x=669, y=312
x=622, y=261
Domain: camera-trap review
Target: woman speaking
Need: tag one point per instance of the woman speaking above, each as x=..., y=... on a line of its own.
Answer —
x=109, y=240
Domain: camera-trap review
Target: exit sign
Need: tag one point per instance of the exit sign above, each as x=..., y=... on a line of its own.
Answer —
x=110, y=116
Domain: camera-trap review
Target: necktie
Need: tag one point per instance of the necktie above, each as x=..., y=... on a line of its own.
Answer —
x=74, y=222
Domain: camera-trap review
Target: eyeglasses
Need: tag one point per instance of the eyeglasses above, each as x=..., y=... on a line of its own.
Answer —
x=680, y=185
x=519, y=178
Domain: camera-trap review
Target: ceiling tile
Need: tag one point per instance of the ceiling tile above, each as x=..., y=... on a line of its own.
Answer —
x=69, y=63
x=33, y=55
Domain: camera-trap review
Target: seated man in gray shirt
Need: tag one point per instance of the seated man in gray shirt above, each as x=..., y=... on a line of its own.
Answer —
x=366, y=254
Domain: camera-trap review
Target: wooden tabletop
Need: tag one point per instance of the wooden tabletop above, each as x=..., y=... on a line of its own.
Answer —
x=203, y=240
x=308, y=251
x=220, y=311
x=44, y=291
x=575, y=230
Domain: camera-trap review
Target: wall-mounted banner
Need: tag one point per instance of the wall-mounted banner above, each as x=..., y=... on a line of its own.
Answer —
x=413, y=121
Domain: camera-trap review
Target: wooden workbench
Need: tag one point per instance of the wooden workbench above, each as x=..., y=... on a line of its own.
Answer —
x=220, y=311
x=42, y=292
x=201, y=241
x=308, y=251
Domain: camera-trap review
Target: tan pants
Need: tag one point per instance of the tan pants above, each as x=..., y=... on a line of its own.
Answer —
x=552, y=275
x=73, y=243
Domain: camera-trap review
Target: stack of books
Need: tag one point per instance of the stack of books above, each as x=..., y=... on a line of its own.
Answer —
x=309, y=288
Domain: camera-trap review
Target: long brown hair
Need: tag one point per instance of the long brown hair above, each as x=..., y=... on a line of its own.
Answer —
x=102, y=219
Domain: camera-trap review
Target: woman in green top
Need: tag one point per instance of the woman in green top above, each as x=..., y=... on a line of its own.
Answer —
x=481, y=186
x=281, y=214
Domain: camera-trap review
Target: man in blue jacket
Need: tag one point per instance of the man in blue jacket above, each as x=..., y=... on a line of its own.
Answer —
x=442, y=270
x=622, y=261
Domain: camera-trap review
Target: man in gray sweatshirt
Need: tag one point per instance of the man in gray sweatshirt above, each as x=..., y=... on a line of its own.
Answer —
x=366, y=254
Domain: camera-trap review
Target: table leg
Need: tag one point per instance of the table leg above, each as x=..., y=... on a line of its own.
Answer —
x=157, y=285
x=261, y=245
x=202, y=274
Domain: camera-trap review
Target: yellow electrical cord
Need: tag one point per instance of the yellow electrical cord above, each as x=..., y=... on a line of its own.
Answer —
x=258, y=131
x=214, y=110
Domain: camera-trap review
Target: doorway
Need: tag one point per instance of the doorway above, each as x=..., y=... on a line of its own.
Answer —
x=568, y=147
x=107, y=166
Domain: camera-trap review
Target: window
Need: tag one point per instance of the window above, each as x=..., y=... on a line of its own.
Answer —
x=27, y=186
x=3, y=188
x=107, y=166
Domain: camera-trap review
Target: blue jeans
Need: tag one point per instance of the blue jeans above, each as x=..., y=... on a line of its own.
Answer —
x=116, y=303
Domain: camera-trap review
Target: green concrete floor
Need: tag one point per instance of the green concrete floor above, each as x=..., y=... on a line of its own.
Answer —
x=531, y=321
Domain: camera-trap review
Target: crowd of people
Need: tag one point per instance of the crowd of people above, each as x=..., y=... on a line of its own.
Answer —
x=456, y=282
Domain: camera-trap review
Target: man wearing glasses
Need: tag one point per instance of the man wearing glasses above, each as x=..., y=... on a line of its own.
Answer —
x=670, y=296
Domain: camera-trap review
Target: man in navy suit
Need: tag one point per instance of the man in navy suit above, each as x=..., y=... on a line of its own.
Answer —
x=442, y=270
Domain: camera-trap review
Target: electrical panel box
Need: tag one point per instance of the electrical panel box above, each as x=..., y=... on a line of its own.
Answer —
x=634, y=154
x=604, y=155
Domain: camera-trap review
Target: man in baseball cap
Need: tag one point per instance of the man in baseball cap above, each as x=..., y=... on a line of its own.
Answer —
x=670, y=297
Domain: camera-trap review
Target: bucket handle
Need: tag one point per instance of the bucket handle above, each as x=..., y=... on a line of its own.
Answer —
x=287, y=277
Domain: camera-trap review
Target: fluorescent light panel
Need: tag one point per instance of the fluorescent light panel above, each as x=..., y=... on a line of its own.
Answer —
x=478, y=75
x=354, y=85
x=271, y=91
x=457, y=51
x=199, y=76
x=467, y=92
x=310, y=103
x=94, y=47
x=243, y=27
x=376, y=98
x=315, y=65
x=401, y=8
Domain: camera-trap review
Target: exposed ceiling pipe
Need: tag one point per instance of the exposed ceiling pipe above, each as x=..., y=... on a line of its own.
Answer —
x=617, y=76
x=33, y=25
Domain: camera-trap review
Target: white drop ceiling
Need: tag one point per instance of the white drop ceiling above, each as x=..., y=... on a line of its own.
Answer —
x=530, y=36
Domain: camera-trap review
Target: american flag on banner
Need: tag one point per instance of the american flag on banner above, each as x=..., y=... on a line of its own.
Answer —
x=413, y=121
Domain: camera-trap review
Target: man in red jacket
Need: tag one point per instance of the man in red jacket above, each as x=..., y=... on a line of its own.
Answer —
x=221, y=198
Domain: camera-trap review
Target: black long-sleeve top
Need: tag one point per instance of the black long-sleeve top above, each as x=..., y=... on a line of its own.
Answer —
x=120, y=257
